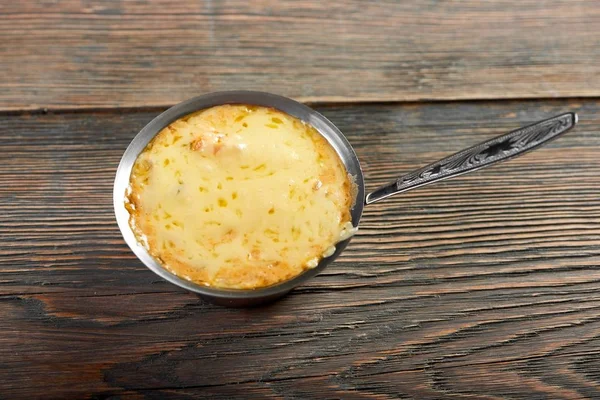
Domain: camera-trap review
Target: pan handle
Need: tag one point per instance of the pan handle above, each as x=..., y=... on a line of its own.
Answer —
x=493, y=151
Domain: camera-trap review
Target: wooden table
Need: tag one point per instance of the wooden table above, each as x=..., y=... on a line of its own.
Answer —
x=486, y=286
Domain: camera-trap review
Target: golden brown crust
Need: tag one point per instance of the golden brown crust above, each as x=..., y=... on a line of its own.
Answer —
x=253, y=270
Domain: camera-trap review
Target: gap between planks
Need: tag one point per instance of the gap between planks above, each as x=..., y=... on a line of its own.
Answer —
x=310, y=101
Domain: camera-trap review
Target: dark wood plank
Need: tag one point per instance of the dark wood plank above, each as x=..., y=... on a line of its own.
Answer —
x=74, y=53
x=486, y=286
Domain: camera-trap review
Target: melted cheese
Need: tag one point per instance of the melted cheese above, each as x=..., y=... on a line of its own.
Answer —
x=239, y=197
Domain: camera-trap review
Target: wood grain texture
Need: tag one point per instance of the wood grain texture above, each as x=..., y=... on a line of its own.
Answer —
x=486, y=286
x=79, y=53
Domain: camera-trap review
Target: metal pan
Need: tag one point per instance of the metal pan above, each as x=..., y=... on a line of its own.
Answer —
x=499, y=149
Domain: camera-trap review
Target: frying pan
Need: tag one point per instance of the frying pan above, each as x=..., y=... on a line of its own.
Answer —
x=487, y=153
